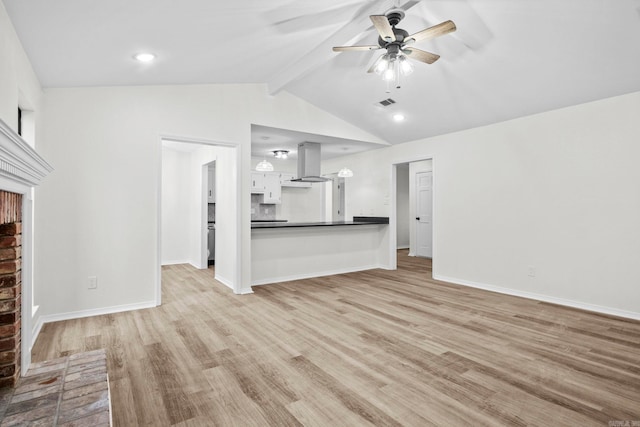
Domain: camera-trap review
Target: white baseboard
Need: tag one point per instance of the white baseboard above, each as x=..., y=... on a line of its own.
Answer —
x=545, y=298
x=86, y=313
x=176, y=262
x=228, y=283
x=35, y=332
x=403, y=247
x=316, y=274
x=411, y=254
x=245, y=291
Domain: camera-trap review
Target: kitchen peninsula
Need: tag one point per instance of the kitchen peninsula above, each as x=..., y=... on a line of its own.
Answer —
x=284, y=251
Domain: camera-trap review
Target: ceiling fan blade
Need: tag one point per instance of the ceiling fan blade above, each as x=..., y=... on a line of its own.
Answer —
x=382, y=26
x=441, y=29
x=421, y=55
x=354, y=48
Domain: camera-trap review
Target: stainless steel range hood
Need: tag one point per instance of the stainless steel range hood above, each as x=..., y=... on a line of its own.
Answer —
x=309, y=163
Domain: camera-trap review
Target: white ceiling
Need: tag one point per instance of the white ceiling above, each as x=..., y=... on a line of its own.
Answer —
x=265, y=140
x=507, y=59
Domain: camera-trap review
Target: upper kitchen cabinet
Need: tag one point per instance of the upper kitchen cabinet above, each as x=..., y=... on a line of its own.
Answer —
x=272, y=188
x=267, y=183
x=257, y=182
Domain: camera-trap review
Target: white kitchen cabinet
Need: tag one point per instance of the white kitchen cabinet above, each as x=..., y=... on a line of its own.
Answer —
x=257, y=182
x=267, y=183
x=272, y=188
x=211, y=186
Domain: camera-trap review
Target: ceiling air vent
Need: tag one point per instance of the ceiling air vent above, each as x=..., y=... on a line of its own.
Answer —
x=387, y=102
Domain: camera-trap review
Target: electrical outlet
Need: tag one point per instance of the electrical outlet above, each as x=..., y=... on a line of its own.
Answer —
x=531, y=271
x=266, y=211
x=93, y=282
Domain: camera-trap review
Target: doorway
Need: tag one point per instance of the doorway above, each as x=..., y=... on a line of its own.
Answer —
x=210, y=196
x=184, y=213
x=404, y=210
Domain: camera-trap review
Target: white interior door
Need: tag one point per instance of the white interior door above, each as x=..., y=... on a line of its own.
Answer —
x=337, y=204
x=424, y=214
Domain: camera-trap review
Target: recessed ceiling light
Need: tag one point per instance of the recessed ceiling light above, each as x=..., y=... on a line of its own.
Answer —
x=398, y=117
x=144, y=57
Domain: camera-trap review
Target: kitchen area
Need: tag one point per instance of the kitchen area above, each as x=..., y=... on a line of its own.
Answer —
x=300, y=226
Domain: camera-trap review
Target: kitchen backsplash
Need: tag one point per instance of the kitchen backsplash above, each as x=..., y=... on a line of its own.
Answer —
x=211, y=212
x=261, y=212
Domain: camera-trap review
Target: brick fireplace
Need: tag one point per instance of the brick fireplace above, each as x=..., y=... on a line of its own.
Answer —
x=21, y=169
x=10, y=281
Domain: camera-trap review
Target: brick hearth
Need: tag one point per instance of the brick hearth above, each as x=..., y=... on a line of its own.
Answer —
x=70, y=391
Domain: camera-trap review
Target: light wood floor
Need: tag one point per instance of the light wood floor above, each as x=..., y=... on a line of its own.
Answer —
x=370, y=348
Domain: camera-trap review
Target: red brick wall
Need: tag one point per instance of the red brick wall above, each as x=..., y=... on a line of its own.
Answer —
x=10, y=289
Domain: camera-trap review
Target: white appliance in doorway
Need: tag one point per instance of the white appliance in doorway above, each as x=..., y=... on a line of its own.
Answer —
x=424, y=214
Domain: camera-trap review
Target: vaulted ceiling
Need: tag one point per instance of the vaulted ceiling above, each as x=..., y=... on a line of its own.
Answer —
x=507, y=59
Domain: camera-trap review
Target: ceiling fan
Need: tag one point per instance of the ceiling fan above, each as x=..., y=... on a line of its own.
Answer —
x=398, y=44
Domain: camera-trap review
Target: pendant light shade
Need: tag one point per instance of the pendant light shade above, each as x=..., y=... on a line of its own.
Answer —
x=345, y=173
x=264, y=166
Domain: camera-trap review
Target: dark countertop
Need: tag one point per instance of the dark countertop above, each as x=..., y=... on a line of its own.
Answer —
x=373, y=219
x=309, y=224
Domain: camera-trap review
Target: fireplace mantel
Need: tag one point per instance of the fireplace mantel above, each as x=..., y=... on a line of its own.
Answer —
x=19, y=162
x=21, y=169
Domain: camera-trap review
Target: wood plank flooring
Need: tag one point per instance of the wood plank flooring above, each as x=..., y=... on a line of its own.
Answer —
x=390, y=348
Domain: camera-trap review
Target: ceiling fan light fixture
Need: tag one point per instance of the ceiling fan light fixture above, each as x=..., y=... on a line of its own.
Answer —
x=405, y=65
x=382, y=64
x=264, y=166
x=389, y=74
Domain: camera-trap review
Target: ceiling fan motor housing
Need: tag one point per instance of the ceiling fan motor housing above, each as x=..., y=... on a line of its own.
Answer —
x=400, y=36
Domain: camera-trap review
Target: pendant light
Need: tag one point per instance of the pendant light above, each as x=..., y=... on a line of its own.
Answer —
x=264, y=166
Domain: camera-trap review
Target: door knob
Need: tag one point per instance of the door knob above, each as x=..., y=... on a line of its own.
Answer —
x=417, y=218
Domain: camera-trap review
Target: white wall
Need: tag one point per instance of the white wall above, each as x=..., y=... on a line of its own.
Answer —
x=105, y=144
x=177, y=214
x=403, y=218
x=367, y=192
x=302, y=204
x=18, y=83
x=557, y=191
